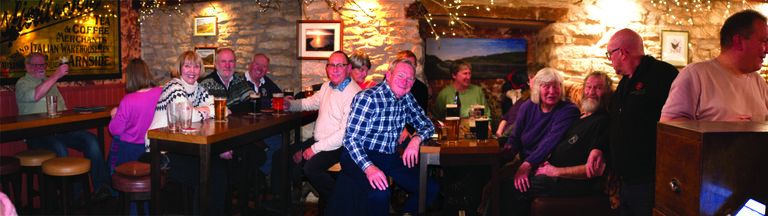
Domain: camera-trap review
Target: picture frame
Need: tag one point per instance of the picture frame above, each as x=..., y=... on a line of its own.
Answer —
x=206, y=26
x=208, y=54
x=674, y=47
x=317, y=39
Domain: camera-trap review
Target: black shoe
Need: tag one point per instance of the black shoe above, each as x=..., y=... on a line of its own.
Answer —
x=104, y=193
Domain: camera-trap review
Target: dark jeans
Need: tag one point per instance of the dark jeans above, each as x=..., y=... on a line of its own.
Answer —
x=80, y=140
x=514, y=202
x=392, y=166
x=186, y=169
x=315, y=169
x=636, y=199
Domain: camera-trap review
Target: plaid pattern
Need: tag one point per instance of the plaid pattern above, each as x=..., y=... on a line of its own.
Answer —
x=377, y=119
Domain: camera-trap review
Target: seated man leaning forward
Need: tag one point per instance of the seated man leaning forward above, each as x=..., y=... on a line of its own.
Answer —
x=378, y=116
x=576, y=158
x=333, y=105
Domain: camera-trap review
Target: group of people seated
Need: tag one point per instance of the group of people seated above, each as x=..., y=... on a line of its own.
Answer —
x=560, y=147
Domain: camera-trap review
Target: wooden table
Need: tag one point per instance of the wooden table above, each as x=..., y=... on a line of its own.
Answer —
x=13, y=128
x=461, y=152
x=214, y=138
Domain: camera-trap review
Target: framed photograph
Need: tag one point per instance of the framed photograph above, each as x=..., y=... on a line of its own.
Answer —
x=317, y=39
x=208, y=54
x=496, y=58
x=206, y=26
x=674, y=47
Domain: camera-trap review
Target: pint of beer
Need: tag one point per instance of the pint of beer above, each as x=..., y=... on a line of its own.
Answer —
x=288, y=92
x=452, y=110
x=220, y=107
x=482, y=128
x=256, y=103
x=277, y=102
x=308, y=92
x=479, y=110
x=452, y=128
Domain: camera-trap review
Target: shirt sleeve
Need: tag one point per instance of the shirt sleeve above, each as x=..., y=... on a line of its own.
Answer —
x=560, y=123
x=601, y=134
x=333, y=141
x=515, y=140
x=438, y=109
x=357, y=128
x=25, y=91
x=683, y=96
x=118, y=123
x=416, y=117
x=310, y=103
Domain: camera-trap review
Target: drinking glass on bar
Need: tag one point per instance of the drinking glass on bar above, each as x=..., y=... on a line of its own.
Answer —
x=256, y=103
x=277, y=102
x=308, y=91
x=220, y=107
x=452, y=128
x=482, y=128
x=171, y=113
x=185, y=110
x=52, y=106
x=452, y=110
x=479, y=110
x=288, y=92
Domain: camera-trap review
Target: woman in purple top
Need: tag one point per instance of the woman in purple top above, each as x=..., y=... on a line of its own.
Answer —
x=541, y=122
x=131, y=119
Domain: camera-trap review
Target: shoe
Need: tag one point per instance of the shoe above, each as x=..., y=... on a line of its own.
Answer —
x=273, y=205
x=104, y=193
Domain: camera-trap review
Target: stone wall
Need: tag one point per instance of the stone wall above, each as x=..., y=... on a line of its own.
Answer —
x=241, y=27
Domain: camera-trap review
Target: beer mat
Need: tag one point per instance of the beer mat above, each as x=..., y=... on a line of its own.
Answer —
x=189, y=129
x=266, y=110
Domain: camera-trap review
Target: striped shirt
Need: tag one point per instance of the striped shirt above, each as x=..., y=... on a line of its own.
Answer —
x=377, y=119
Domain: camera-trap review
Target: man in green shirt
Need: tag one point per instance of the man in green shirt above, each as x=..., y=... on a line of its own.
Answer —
x=30, y=98
x=469, y=94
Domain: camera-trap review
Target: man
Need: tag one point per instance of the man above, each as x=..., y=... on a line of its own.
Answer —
x=333, y=102
x=30, y=91
x=727, y=88
x=565, y=173
x=225, y=82
x=420, y=92
x=468, y=93
x=378, y=116
x=634, y=109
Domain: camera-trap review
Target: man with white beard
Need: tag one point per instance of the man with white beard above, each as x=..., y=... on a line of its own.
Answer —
x=576, y=159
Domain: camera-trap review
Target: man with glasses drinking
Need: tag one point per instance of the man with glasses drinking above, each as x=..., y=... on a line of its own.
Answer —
x=30, y=93
x=333, y=104
x=635, y=108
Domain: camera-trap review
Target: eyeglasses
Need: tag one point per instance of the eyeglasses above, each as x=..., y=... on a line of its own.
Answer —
x=336, y=66
x=610, y=53
x=37, y=65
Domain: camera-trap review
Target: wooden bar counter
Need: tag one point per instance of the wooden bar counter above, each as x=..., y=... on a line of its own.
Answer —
x=710, y=168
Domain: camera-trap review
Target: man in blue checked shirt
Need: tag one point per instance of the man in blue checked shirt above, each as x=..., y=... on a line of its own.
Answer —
x=378, y=116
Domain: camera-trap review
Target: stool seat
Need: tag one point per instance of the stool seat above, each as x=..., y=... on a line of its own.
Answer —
x=66, y=166
x=9, y=165
x=34, y=157
x=135, y=184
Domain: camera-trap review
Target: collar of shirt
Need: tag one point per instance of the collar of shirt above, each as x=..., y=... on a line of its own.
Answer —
x=261, y=81
x=341, y=85
x=387, y=91
x=226, y=82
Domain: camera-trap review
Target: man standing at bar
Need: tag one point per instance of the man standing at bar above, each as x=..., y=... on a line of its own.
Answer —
x=635, y=108
x=376, y=121
x=30, y=93
x=727, y=88
x=333, y=104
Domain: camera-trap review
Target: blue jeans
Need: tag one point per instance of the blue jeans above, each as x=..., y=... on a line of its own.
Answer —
x=274, y=143
x=80, y=140
x=392, y=166
x=636, y=199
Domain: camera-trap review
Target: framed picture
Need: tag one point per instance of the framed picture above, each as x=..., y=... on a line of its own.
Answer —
x=317, y=39
x=208, y=54
x=496, y=58
x=674, y=47
x=206, y=26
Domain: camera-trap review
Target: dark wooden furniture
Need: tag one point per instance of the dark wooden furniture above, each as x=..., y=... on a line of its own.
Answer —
x=13, y=128
x=710, y=168
x=462, y=152
x=213, y=138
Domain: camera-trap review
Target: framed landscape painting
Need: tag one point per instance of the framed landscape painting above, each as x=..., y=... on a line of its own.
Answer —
x=490, y=58
x=317, y=39
x=208, y=54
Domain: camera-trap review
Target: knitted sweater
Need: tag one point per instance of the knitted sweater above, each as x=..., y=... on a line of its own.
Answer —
x=177, y=90
x=237, y=94
x=334, y=108
x=536, y=133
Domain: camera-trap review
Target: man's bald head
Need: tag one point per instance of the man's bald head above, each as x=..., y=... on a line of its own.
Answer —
x=629, y=40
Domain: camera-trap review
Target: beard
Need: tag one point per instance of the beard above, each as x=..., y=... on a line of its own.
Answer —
x=590, y=105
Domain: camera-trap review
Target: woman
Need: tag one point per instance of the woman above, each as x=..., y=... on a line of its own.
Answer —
x=131, y=119
x=360, y=66
x=541, y=122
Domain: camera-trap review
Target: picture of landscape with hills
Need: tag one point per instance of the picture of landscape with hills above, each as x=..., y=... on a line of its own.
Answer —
x=490, y=58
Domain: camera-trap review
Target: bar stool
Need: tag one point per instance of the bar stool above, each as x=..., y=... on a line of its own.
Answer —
x=30, y=161
x=67, y=170
x=133, y=183
x=9, y=175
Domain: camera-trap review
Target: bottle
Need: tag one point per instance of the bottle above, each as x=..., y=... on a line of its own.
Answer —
x=457, y=101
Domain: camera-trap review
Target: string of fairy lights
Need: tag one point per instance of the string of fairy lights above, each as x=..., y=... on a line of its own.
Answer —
x=686, y=10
